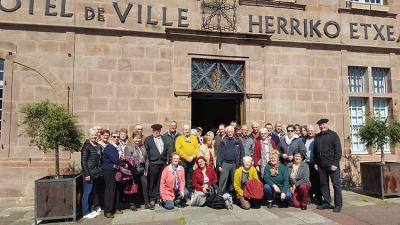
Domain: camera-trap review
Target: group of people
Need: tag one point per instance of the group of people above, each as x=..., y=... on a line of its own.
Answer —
x=246, y=165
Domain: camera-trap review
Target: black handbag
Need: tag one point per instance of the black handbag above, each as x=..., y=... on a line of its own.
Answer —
x=96, y=173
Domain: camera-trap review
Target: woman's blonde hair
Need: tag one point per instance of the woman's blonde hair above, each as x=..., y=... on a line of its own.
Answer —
x=206, y=138
x=273, y=153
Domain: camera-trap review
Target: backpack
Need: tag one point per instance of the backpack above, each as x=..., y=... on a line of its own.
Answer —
x=215, y=201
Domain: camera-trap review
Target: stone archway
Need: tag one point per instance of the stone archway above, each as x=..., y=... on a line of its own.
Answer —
x=41, y=69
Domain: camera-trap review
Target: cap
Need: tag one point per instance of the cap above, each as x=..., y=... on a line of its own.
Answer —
x=324, y=120
x=156, y=126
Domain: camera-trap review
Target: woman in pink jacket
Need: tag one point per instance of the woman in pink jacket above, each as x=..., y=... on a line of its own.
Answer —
x=172, y=184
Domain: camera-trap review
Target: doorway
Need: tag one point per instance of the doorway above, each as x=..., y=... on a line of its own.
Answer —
x=211, y=109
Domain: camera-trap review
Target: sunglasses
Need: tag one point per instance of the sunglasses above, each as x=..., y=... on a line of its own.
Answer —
x=290, y=130
x=115, y=137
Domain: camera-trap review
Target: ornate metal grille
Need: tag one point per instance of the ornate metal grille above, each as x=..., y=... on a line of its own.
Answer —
x=217, y=76
x=219, y=15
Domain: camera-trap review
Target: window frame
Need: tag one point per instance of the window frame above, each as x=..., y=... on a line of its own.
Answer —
x=368, y=2
x=352, y=126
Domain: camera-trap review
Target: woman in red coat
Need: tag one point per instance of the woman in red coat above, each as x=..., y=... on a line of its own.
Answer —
x=203, y=178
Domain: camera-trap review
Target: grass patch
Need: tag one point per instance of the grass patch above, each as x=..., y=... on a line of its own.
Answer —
x=363, y=199
x=182, y=220
x=381, y=202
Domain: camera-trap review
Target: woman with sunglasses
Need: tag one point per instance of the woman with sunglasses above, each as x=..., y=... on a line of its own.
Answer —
x=111, y=161
x=289, y=144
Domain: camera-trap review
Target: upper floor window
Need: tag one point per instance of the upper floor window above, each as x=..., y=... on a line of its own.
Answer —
x=379, y=77
x=357, y=79
x=1, y=89
x=378, y=2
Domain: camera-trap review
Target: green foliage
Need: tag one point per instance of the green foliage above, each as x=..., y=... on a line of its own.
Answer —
x=374, y=132
x=50, y=125
x=394, y=131
x=378, y=132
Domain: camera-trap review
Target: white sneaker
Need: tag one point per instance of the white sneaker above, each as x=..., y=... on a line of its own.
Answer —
x=95, y=213
x=98, y=210
x=89, y=216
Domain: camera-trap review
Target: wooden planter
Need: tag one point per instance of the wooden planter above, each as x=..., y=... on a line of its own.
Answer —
x=58, y=198
x=371, y=178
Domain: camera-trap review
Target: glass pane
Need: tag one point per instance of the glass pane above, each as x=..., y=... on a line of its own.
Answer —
x=379, y=77
x=356, y=79
x=1, y=93
x=1, y=65
x=357, y=118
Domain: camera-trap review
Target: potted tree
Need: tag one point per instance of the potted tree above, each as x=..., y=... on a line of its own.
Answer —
x=51, y=127
x=380, y=178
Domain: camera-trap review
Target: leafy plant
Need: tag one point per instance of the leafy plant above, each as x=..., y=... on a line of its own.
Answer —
x=377, y=133
x=50, y=126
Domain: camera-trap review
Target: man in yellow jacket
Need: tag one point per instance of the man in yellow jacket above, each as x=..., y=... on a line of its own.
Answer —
x=186, y=146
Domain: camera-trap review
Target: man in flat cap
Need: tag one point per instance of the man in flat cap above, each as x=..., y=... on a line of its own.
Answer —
x=159, y=152
x=327, y=154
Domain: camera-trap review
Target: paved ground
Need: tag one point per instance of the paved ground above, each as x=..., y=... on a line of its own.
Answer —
x=358, y=210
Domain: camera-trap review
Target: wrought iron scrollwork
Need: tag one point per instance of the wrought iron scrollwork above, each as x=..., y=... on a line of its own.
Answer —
x=219, y=15
x=217, y=76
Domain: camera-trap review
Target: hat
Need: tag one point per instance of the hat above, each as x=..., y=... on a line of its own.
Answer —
x=324, y=120
x=156, y=126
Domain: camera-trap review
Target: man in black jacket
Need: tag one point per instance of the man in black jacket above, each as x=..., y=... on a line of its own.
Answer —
x=327, y=154
x=230, y=154
x=171, y=134
x=159, y=153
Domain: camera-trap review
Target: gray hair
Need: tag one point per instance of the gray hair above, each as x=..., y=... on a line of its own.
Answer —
x=254, y=124
x=247, y=159
x=92, y=131
x=310, y=127
x=263, y=130
x=229, y=128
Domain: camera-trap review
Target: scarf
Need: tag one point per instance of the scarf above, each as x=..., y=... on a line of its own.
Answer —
x=289, y=140
x=137, y=156
x=176, y=177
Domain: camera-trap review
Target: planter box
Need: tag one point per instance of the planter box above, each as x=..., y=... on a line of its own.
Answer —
x=58, y=198
x=371, y=180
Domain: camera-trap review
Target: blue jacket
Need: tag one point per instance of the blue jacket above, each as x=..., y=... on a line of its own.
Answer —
x=111, y=157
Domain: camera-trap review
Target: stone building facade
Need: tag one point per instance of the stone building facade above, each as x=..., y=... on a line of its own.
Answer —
x=122, y=62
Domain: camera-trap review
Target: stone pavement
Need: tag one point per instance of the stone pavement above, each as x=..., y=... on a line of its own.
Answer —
x=358, y=210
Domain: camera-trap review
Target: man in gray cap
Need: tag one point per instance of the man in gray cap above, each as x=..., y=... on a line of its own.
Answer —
x=327, y=154
x=159, y=152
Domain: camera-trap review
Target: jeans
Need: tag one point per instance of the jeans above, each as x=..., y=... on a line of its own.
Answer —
x=273, y=196
x=170, y=204
x=87, y=190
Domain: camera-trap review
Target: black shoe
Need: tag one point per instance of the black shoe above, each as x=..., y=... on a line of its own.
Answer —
x=325, y=206
x=152, y=204
x=283, y=204
x=304, y=207
x=108, y=215
x=337, y=209
x=133, y=207
x=147, y=206
x=269, y=204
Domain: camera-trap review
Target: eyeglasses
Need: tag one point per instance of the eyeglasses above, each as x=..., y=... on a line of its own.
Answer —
x=115, y=137
x=290, y=130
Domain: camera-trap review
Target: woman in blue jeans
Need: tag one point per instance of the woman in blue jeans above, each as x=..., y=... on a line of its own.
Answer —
x=276, y=178
x=90, y=161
